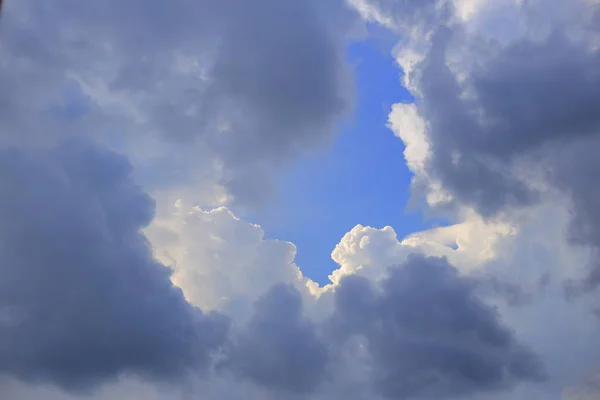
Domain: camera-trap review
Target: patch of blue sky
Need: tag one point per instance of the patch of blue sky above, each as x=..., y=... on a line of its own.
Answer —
x=361, y=179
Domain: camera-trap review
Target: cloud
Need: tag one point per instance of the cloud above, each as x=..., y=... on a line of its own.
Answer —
x=280, y=348
x=83, y=298
x=248, y=85
x=506, y=121
x=343, y=362
x=215, y=249
x=210, y=99
x=221, y=261
x=588, y=391
x=429, y=335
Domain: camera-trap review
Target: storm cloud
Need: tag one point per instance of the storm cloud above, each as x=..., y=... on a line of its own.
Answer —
x=513, y=119
x=83, y=300
x=280, y=348
x=429, y=335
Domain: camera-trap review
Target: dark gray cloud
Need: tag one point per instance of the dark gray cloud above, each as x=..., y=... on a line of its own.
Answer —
x=280, y=349
x=82, y=298
x=511, y=292
x=429, y=335
x=256, y=82
x=530, y=105
x=454, y=133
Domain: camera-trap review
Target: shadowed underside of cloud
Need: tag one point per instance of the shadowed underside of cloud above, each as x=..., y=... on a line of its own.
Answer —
x=426, y=332
x=280, y=348
x=429, y=335
x=516, y=109
x=83, y=300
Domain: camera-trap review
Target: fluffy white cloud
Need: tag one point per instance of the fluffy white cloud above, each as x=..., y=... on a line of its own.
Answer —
x=220, y=261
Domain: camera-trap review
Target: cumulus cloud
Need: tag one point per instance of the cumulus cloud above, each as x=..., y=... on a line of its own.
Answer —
x=429, y=335
x=289, y=317
x=215, y=95
x=83, y=298
x=385, y=323
x=221, y=261
x=503, y=121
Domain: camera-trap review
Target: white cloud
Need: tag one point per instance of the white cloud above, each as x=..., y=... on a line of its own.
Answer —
x=218, y=258
x=405, y=122
x=370, y=12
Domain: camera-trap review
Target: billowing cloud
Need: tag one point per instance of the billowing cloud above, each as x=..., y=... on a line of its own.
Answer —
x=504, y=121
x=429, y=335
x=221, y=261
x=83, y=301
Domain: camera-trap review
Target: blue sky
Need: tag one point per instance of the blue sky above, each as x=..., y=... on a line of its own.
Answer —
x=361, y=179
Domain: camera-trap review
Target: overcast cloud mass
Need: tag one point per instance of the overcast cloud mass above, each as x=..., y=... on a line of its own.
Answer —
x=132, y=132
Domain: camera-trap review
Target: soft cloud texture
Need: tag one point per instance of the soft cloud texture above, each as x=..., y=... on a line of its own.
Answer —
x=503, y=121
x=82, y=297
x=429, y=336
x=242, y=88
x=220, y=261
x=280, y=349
x=208, y=100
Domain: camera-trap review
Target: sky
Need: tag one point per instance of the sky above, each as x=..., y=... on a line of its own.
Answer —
x=351, y=199
x=311, y=190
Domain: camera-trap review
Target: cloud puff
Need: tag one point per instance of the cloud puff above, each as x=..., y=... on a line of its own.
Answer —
x=278, y=326
x=221, y=261
x=83, y=299
x=429, y=335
